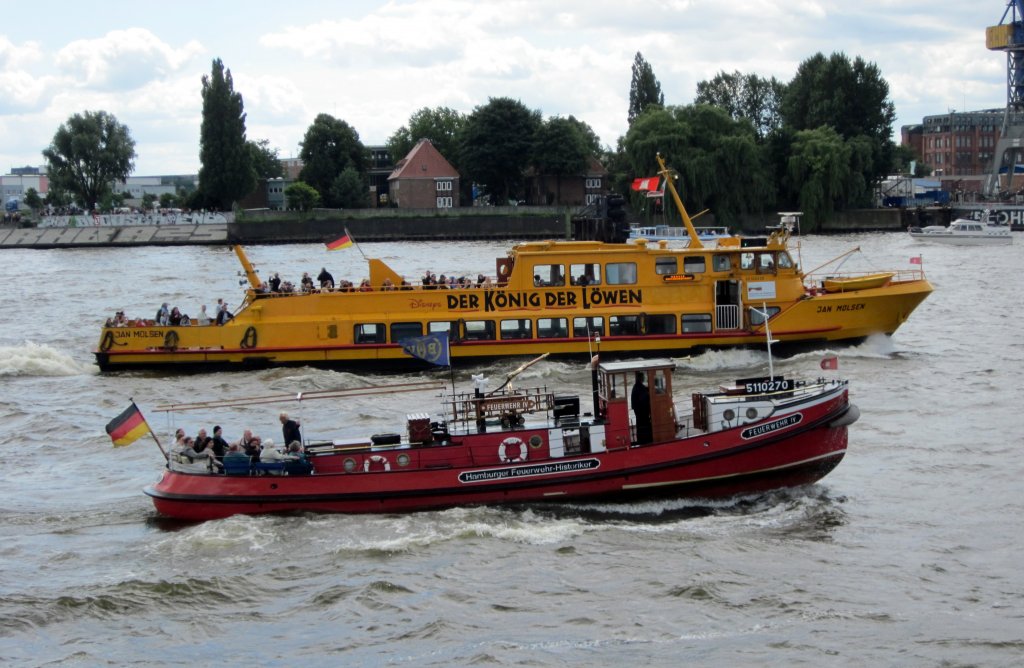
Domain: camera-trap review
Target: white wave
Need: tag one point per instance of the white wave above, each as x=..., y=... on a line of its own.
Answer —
x=33, y=359
x=723, y=360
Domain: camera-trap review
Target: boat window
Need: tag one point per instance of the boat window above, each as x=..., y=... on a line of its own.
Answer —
x=369, y=332
x=659, y=381
x=666, y=265
x=479, y=330
x=520, y=328
x=661, y=323
x=547, y=275
x=694, y=265
x=552, y=328
x=405, y=330
x=623, y=325
x=620, y=273
x=589, y=326
x=721, y=263
x=785, y=261
x=755, y=314
x=614, y=386
x=746, y=260
x=765, y=263
x=585, y=274
x=694, y=323
x=441, y=326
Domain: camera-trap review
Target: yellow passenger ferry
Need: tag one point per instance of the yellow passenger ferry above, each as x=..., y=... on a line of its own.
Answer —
x=560, y=297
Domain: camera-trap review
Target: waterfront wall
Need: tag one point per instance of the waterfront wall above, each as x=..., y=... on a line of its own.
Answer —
x=513, y=223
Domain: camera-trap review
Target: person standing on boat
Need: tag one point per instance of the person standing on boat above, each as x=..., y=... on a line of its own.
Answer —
x=641, y=401
x=325, y=278
x=290, y=430
x=203, y=318
x=218, y=444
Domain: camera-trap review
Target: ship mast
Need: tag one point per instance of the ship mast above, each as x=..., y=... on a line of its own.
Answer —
x=670, y=184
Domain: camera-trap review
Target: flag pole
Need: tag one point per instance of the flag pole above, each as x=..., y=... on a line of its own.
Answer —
x=356, y=244
x=151, y=432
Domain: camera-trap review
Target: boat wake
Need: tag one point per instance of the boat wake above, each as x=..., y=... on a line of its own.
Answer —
x=33, y=359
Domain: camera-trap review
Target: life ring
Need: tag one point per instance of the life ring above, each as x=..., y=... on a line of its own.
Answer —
x=503, y=447
x=249, y=338
x=171, y=340
x=108, y=341
x=376, y=459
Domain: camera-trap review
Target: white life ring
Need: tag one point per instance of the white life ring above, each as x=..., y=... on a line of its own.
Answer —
x=376, y=459
x=504, y=446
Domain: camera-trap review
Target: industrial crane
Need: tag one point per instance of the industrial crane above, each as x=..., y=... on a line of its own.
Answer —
x=1008, y=36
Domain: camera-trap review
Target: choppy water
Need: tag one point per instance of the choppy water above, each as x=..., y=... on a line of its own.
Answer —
x=908, y=554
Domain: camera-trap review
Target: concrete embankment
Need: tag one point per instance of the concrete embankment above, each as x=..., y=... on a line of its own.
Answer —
x=467, y=225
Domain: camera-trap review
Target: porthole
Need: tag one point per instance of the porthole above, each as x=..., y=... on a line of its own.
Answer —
x=535, y=441
x=751, y=413
x=402, y=459
x=350, y=465
x=728, y=414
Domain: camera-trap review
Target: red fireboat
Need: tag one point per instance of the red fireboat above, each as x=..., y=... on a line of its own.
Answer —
x=532, y=445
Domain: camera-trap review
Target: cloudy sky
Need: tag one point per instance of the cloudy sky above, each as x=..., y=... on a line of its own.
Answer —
x=373, y=63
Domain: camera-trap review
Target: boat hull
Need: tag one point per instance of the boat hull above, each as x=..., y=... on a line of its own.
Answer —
x=810, y=442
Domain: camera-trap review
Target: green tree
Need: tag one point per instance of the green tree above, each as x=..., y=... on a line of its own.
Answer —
x=818, y=171
x=149, y=201
x=265, y=161
x=440, y=125
x=33, y=200
x=495, y=146
x=852, y=98
x=302, y=196
x=88, y=153
x=57, y=196
x=644, y=89
x=329, y=147
x=226, y=171
x=559, y=149
x=349, y=191
x=168, y=200
x=745, y=96
x=719, y=162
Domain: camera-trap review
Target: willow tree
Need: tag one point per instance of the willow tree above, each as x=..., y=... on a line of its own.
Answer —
x=818, y=171
x=88, y=153
x=719, y=162
x=226, y=172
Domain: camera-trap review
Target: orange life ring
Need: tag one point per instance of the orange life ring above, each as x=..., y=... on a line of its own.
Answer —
x=503, y=447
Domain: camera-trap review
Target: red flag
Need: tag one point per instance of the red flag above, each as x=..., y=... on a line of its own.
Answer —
x=127, y=427
x=830, y=362
x=647, y=183
x=343, y=242
x=915, y=260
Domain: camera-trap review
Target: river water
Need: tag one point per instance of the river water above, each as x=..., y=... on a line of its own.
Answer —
x=908, y=554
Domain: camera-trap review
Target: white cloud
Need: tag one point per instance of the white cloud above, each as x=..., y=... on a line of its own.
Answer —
x=123, y=60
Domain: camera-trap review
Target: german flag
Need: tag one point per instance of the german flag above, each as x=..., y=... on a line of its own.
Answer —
x=338, y=244
x=127, y=427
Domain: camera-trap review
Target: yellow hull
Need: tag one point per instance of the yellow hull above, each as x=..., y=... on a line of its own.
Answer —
x=641, y=299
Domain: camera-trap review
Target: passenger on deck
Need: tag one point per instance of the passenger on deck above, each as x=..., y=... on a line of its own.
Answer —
x=175, y=317
x=387, y=285
x=307, y=282
x=275, y=282
x=290, y=429
x=179, y=438
x=203, y=318
x=364, y=285
x=325, y=278
x=218, y=444
x=202, y=441
x=163, y=315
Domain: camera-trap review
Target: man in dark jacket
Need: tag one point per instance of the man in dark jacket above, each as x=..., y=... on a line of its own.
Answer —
x=290, y=430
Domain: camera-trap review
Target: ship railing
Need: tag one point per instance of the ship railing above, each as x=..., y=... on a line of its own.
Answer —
x=727, y=316
x=469, y=407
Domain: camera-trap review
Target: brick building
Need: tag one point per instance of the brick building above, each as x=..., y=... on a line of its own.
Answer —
x=424, y=180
